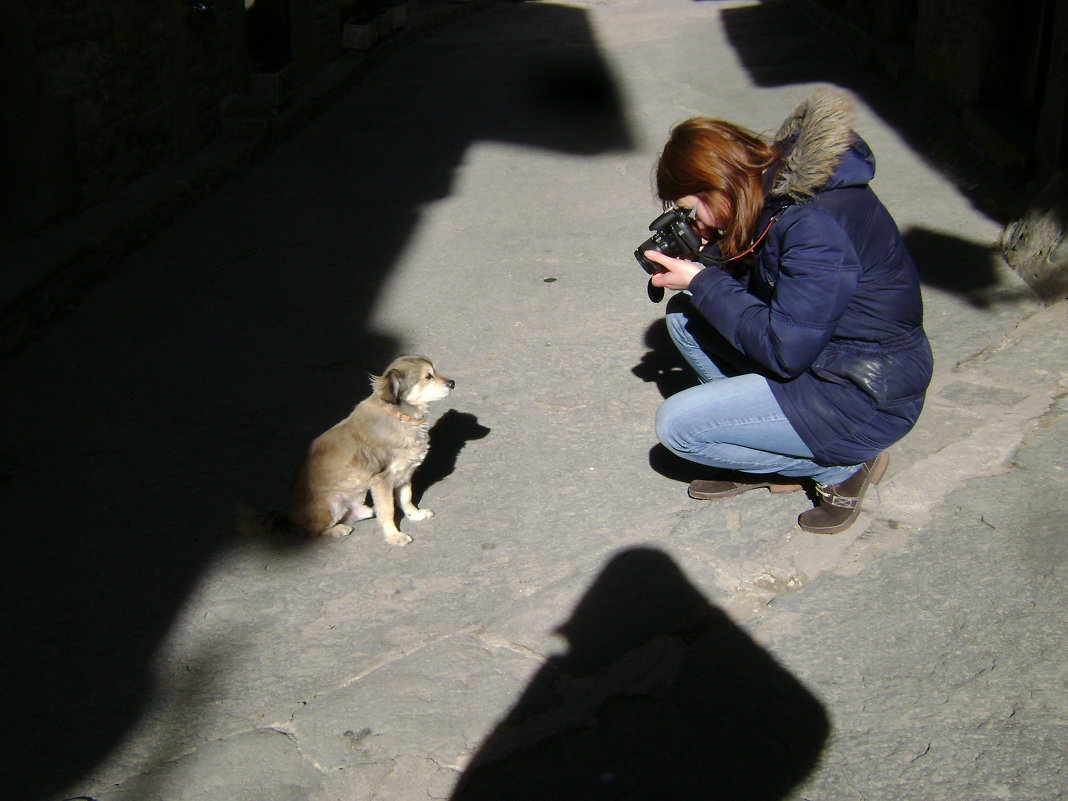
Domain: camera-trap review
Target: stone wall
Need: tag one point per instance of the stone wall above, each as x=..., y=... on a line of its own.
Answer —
x=96, y=94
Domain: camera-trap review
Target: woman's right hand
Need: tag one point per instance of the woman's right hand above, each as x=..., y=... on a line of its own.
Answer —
x=676, y=273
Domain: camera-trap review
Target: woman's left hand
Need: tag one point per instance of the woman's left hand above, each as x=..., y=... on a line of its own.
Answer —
x=677, y=273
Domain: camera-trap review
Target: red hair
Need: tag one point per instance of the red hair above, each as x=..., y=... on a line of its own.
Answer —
x=723, y=165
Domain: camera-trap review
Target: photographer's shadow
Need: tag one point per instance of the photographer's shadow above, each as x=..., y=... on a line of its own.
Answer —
x=660, y=696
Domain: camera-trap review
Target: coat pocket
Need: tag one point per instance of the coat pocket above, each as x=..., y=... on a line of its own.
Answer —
x=887, y=377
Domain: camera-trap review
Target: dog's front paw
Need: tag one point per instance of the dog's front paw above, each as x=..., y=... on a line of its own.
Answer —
x=420, y=514
x=397, y=538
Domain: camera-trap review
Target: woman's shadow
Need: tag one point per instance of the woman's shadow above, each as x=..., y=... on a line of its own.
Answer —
x=664, y=366
x=660, y=696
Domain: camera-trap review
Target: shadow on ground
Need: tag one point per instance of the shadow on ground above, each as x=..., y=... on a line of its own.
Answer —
x=964, y=268
x=778, y=48
x=659, y=696
x=448, y=436
x=199, y=377
x=662, y=364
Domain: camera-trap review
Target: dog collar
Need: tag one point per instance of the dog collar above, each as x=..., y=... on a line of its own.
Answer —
x=407, y=418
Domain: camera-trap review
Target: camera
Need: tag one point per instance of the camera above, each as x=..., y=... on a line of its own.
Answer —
x=673, y=235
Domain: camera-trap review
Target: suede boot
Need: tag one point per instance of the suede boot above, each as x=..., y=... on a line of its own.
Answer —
x=839, y=504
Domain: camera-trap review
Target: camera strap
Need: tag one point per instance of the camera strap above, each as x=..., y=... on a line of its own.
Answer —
x=750, y=249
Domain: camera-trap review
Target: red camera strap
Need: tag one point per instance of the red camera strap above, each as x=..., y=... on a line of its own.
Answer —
x=755, y=244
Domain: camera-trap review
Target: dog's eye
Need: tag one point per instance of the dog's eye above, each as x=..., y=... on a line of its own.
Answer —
x=429, y=376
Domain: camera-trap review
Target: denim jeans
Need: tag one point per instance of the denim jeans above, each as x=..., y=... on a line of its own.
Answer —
x=731, y=420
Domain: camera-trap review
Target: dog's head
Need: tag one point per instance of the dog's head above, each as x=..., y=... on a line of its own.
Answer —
x=411, y=380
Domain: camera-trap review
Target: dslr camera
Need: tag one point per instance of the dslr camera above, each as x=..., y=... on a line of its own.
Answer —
x=673, y=235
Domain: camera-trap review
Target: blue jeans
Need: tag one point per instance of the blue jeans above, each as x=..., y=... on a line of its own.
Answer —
x=731, y=420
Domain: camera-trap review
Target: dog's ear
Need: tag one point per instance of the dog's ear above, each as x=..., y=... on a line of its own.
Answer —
x=392, y=386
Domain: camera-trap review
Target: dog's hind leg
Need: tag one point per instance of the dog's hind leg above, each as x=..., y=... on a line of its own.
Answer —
x=358, y=513
x=382, y=496
x=335, y=518
x=411, y=511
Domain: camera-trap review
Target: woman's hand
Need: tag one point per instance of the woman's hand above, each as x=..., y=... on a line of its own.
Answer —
x=677, y=273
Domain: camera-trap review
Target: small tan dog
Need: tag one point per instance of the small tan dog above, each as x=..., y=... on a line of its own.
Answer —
x=376, y=449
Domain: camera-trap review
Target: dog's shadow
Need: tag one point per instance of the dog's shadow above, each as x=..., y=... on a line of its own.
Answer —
x=448, y=436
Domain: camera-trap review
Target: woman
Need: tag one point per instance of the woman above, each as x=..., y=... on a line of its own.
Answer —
x=816, y=362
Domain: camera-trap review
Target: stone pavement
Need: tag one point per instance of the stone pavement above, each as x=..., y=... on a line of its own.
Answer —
x=570, y=625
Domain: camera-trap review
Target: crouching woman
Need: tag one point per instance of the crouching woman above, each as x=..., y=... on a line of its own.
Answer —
x=812, y=357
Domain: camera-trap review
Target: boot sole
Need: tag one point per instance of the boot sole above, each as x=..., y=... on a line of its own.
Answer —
x=715, y=496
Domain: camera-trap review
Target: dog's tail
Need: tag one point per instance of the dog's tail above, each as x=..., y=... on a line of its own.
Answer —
x=251, y=521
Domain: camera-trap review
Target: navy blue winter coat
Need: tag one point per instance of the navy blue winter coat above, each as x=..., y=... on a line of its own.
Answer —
x=831, y=308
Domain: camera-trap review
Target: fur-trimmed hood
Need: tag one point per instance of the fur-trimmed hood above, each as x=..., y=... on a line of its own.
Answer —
x=820, y=149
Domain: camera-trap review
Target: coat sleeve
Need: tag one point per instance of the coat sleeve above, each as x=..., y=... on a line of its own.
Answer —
x=818, y=271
